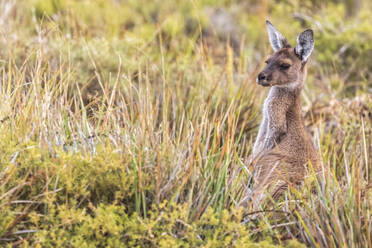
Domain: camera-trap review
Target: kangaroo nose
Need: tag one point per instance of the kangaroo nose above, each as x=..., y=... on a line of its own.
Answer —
x=261, y=76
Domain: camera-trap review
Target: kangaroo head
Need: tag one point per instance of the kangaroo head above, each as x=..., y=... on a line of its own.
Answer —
x=287, y=66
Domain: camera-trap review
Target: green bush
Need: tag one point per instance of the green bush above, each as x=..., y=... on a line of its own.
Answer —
x=129, y=123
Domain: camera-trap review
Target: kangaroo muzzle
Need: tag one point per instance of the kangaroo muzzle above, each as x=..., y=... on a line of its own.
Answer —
x=263, y=79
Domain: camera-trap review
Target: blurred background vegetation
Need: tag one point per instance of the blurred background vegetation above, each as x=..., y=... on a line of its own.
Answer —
x=129, y=122
x=342, y=28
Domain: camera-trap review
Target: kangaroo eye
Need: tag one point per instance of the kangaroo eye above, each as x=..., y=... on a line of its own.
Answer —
x=284, y=66
x=266, y=61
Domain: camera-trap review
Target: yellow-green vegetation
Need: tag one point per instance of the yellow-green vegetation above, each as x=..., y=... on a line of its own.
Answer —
x=128, y=123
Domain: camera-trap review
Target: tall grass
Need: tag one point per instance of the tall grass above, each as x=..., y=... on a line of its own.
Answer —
x=137, y=130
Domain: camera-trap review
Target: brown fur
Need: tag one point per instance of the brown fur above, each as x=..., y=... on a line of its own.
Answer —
x=283, y=148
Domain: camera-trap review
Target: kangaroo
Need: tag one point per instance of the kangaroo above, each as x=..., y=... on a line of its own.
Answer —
x=283, y=147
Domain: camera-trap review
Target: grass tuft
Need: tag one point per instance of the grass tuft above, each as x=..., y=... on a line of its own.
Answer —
x=130, y=123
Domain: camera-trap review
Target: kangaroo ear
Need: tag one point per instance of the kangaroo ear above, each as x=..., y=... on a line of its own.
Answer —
x=305, y=44
x=277, y=40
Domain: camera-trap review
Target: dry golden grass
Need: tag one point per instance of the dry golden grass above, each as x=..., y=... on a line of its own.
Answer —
x=130, y=124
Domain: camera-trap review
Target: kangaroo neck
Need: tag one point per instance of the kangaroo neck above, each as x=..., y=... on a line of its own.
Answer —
x=293, y=92
x=292, y=97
